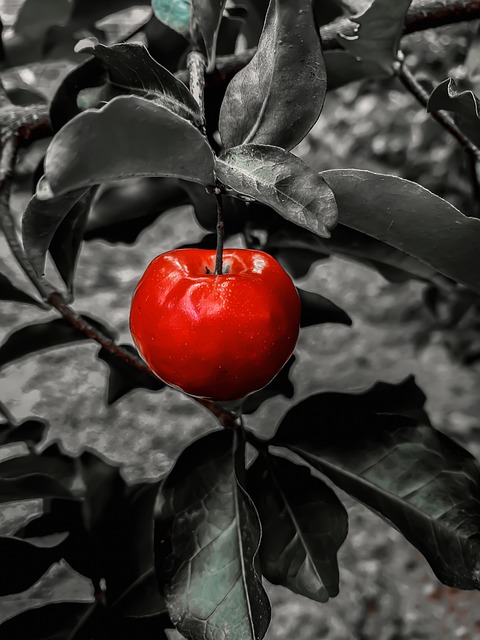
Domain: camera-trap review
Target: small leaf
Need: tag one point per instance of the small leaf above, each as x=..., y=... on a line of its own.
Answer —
x=42, y=335
x=208, y=15
x=464, y=104
x=317, y=310
x=409, y=218
x=213, y=589
x=30, y=431
x=418, y=479
x=281, y=180
x=10, y=292
x=57, y=621
x=343, y=68
x=132, y=70
x=378, y=32
x=24, y=562
x=303, y=526
x=136, y=125
x=174, y=13
x=278, y=96
x=123, y=378
x=280, y=385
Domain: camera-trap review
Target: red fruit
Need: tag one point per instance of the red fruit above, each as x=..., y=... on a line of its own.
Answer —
x=215, y=336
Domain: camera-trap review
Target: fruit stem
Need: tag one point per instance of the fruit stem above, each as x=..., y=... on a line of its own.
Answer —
x=220, y=233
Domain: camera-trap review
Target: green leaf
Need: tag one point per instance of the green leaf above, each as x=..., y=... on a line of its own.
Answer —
x=278, y=96
x=132, y=70
x=56, y=621
x=42, y=335
x=121, y=140
x=24, y=562
x=213, y=589
x=208, y=15
x=464, y=104
x=284, y=182
x=10, y=292
x=317, y=310
x=409, y=218
x=415, y=477
x=42, y=218
x=123, y=378
x=174, y=13
x=378, y=32
x=303, y=526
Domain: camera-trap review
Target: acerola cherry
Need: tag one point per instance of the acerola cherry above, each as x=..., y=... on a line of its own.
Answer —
x=215, y=336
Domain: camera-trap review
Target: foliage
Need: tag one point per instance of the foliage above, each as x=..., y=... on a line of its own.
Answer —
x=127, y=141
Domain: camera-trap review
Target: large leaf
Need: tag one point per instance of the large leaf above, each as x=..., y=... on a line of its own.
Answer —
x=208, y=15
x=213, y=590
x=379, y=30
x=57, y=621
x=41, y=219
x=132, y=70
x=418, y=479
x=122, y=378
x=406, y=216
x=42, y=335
x=9, y=291
x=278, y=96
x=465, y=106
x=24, y=562
x=342, y=68
x=174, y=13
x=281, y=180
x=303, y=526
x=128, y=137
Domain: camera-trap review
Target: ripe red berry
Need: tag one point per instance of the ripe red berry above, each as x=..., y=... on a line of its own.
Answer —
x=215, y=336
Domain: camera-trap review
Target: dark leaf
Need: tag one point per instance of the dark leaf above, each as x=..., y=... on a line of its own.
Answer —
x=343, y=68
x=24, y=562
x=278, y=96
x=132, y=70
x=9, y=291
x=119, y=519
x=205, y=208
x=464, y=104
x=174, y=13
x=408, y=217
x=213, y=588
x=136, y=125
x=122, y=211
x=208, y=14
x=303, y=526
x=58, y=515
x=379, y=30
x=166, y=45
x=418, y=479
x=24, y=96
x=280, y=385
x=123, y=378
x=64, y=105
x=42, y=218
x=30, y=431
x=58, y=621
x=317, y=310
x=284, y=182
x=34, y=17
x=85, y=13
x=42, y=335
x=67, y=240
x=52, y=462
x=327, y=11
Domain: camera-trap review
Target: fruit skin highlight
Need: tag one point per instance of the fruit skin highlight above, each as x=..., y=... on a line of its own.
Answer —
x=219, y=337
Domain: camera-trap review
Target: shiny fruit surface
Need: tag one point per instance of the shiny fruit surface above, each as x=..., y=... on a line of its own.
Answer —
x=215, y=336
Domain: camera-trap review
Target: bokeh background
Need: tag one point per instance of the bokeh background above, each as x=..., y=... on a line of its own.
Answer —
x=387, y=590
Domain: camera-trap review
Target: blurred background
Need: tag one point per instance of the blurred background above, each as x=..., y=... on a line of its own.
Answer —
x=387, y=590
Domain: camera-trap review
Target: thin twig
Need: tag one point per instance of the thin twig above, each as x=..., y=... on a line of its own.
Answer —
x=410, y=82
x=196, y=72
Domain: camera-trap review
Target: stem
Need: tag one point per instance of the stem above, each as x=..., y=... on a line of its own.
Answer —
x=409, y=81
x=196, y=69
x=220, y=234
